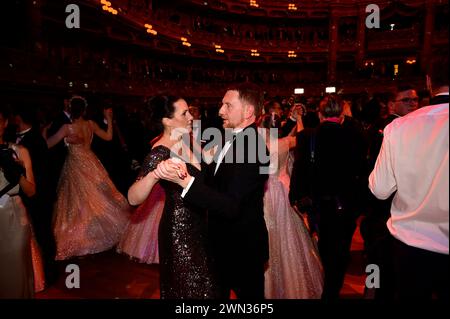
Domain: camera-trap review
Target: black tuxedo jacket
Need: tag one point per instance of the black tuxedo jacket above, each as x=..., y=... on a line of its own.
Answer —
x=114, y=158
x=234, y=200
x=339, y=168
x=37, y=148
x=57, y=154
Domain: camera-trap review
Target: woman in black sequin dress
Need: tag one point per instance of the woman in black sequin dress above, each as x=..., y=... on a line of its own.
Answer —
x=186, y=270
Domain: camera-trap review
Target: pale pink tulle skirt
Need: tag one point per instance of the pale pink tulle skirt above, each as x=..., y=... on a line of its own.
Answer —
x=140, y=239
x=294, y=270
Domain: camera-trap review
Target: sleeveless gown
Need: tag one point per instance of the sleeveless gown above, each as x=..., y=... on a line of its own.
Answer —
x=16, y=266
x=294, y=270
x=186, y=270
x=90, y=214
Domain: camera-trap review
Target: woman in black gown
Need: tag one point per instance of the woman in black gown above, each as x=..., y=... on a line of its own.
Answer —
x=186, y=270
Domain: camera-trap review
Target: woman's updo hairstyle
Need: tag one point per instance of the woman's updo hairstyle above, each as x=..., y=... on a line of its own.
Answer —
x=159, y=107
x=77, y=107
x=271, y=121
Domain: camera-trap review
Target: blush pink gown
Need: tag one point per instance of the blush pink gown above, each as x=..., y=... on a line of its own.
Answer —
x=140, y=239
x=294, y=269
x=90, y=214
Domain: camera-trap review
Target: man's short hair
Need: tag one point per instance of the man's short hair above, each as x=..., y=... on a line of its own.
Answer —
x=26, y=113
x=252, y=94
x=405, y=87
x=330, y=107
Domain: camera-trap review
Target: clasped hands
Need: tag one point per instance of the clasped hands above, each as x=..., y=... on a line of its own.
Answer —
x=297, y=111
x=173, y=170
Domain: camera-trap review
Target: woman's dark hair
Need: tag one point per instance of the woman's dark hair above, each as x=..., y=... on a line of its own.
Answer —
x=269, y=121
x=77, y=107
x=159, y=107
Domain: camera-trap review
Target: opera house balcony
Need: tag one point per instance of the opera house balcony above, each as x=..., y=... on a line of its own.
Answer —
x=140, y=47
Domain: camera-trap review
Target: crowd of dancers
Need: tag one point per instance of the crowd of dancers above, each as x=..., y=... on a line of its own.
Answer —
x=216, y=219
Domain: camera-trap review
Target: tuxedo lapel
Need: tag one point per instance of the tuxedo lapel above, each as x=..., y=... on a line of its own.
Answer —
x=26, y=139
x=226, y=155
x=224, y=166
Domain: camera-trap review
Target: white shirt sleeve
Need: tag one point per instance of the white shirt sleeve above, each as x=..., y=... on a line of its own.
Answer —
x=186, y=190
x=382, y=181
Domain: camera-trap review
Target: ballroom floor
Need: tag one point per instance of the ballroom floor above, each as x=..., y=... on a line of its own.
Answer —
x=112, y=276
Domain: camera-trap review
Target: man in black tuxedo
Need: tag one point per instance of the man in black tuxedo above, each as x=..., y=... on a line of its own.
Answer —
x=114, y=154
x=232, y=191
x=39, y=206
x=329, y=169
x=57, y=154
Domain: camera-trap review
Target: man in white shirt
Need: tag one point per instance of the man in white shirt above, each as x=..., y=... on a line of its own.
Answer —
x=413, y=161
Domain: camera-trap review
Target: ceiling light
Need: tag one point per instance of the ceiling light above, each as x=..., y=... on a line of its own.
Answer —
x=254, y=52
x=254, y=4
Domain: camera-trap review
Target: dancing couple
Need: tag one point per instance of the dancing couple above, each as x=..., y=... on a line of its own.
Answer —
x=212, y=233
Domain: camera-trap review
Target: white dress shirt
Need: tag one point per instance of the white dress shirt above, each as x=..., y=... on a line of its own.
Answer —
x=413, y=161
x=220, y=158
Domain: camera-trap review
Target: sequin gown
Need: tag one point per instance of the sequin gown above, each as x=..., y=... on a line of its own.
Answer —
x=90, y=215
x=295, y=269
x=38, y=265
x=140, y=239
x=16, y=266
x=185, y=266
